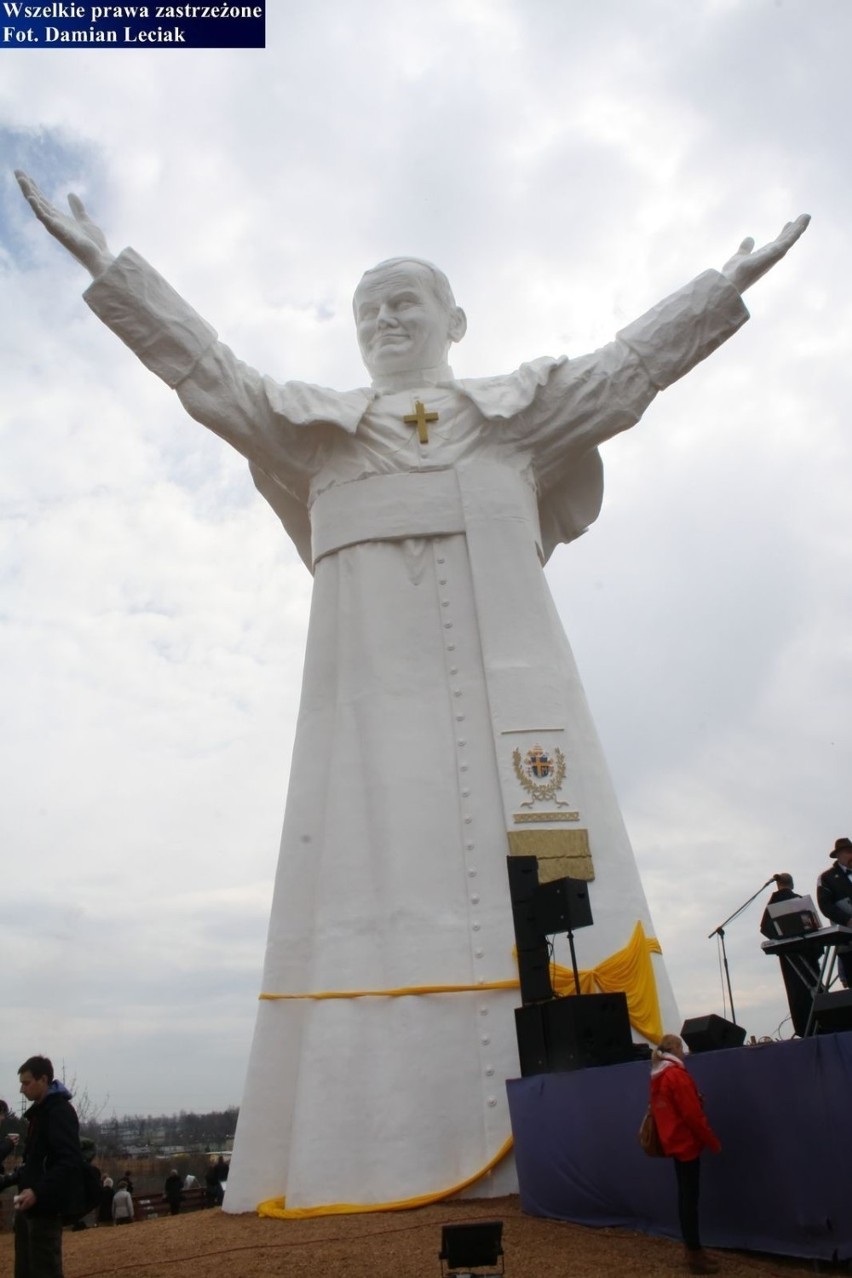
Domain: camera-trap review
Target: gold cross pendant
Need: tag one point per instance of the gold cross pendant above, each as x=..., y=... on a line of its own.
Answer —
x=419, y=418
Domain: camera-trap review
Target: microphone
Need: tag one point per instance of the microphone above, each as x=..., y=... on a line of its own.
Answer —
x=774, y=879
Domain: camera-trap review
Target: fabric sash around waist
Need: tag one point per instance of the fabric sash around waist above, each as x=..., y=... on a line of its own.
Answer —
x=427, y=503
x=386, y=508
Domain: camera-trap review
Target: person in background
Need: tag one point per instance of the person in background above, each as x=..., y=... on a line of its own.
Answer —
x=9, y=1141
x=212, y=1183
x=8, y=1145
x=122, y=1205
x=684, y=1132
x=173, y=1190
x=799, y=973
x=105, y=1207
x=783, y=892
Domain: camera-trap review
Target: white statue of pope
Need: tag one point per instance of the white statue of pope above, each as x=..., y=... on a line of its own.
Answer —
x=442, y=722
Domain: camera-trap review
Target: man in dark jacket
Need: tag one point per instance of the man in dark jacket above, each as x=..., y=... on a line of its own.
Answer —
x=50, y=1178
x=800, y=972
x=834, y=898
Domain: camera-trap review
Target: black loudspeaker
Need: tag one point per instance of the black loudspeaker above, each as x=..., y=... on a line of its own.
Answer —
x=528, y=934
x=532, y=1046
x=711, y=1033
x=562, y=906
x=534, y=973
x=523, y=877
x=833, y=1012
x=573, y=1033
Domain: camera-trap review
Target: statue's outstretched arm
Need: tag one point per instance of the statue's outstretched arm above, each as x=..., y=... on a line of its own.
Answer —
x=78, y=233
x=748, y=264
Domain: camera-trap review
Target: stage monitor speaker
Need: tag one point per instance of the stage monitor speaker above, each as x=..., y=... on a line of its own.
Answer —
x=711, y=1033
x=573, y=1033
x=523, y=877
x=563, y=905
x=534, y=974
x=833, y=1012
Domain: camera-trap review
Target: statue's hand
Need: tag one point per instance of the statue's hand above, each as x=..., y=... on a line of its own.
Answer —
x=78, y=233
x=747, y=265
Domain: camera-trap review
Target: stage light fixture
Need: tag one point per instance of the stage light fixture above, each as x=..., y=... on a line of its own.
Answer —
x=476, y=1246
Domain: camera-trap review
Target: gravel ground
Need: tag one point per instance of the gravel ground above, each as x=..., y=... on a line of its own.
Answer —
x=388, y=1245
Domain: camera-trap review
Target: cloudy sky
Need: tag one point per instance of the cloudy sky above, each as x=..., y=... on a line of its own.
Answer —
x=567, y=163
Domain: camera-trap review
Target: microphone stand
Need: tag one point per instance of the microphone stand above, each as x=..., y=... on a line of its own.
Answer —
x=720, y=932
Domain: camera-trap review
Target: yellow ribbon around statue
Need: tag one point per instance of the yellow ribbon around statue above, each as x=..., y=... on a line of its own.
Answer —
x=628, y=971
x=278, y=1208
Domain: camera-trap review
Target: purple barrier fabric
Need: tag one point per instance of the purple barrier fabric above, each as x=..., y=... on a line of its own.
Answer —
x=782, y=1183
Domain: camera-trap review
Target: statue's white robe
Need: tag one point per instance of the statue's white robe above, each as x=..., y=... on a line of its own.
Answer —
x=434, y=650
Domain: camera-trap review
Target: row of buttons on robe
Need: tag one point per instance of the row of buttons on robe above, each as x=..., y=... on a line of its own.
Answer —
x=467, y=815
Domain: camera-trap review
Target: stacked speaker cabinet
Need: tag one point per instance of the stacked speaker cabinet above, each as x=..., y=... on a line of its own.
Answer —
x=556, y=1034
x=534, y=975
x=574, y=1033
x=533, y=953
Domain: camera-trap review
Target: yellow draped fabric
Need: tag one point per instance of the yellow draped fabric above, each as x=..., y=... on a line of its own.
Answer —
x=628, y=971
x=400, y=992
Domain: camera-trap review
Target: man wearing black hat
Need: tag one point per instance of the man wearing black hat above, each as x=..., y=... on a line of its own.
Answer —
x=834, y=898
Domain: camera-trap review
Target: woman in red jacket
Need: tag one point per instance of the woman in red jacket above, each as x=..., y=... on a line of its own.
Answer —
x=684, y=1132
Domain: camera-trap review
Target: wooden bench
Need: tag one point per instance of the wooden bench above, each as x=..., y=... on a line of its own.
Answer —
x=150, y=1206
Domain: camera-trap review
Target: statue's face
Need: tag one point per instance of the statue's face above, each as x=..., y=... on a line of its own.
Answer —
x=402, y=325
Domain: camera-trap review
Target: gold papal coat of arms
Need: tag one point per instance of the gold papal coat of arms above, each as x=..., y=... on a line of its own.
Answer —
x=541, y=773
